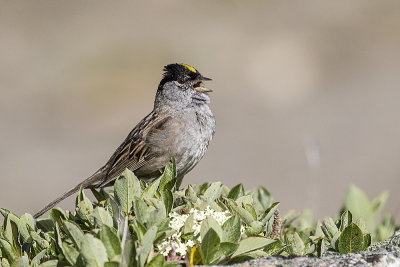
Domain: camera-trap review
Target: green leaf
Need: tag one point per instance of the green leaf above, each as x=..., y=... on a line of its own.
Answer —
x=262, y=197
x=168, y=177
x=251, y=244
x=254, y=228
x=305, y=220
x=290, y=217
x=163, y=229
x=168, y=200
x=202, y=188
x=110, y=241
x=251, y=210
x=227, y=248
x=102, y=217
x=275, y=248
x=40, y=242
x=11, y=232
x=21, y=262
x=329, y=228
x=146, y=245
x=70, y=253
x=243, y=213
x=84, y=207
x=189, y=223
x=360, y=222
x=38, y=258
x=335, y=241
x=297, y=246
x=112, y=207
x=386, y=228
x=231, y=230
x=8, y=251
x=269, y=213
x=210, y=223
x=379, y=202
x=191, y=194
x=156, y=212
x=73, y=230
x=236, y=192
x=4, y=212
x=345, y=220
x=128, y=257
x=309, y=248
x=157, y=261
x=151, y=189
x=57, y=236
x=57, y=215
x=246, y=199
x=321, y=247
x=209, y=248
x=139, y=229
x=93, y=252
x=214, y=206
x=213, y=192
x=98, y=195
x=45, y=224
x=26, y=223
x=14, y=218
x=367, y=241
x=318, y=230
x=351, y=239
x=357, y=202
x=127, y=187
x=141, y=211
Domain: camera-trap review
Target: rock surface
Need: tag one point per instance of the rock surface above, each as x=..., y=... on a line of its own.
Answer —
x=385, y=253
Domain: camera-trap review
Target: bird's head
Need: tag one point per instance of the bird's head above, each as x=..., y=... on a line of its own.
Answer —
x=184, y=84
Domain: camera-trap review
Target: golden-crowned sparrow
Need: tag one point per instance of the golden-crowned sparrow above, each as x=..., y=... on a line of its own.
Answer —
x=181, y=126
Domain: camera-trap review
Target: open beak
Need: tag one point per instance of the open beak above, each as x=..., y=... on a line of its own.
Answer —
x=199, y=87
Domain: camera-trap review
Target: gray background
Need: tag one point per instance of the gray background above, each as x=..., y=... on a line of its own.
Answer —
x=306, y=93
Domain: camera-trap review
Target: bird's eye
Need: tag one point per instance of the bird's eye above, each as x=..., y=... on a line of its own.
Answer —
x=181, y=81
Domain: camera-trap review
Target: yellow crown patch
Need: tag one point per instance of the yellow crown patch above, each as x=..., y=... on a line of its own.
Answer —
x=189, y=68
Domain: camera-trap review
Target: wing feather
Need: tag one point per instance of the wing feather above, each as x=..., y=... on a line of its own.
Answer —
x=134, y=152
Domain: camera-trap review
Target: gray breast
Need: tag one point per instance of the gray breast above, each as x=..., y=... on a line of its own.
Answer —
x=197, y=130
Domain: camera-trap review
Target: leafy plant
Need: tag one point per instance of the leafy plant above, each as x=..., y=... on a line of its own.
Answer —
x=359, y=225
x=157, y=224
x=139, y=224
x=370, y=212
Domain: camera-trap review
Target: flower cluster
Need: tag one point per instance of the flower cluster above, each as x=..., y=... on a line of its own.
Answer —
x=177, y=221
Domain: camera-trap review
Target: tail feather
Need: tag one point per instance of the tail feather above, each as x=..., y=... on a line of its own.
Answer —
x=85, y=184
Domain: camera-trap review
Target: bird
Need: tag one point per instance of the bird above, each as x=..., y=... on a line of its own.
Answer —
x=180, y=126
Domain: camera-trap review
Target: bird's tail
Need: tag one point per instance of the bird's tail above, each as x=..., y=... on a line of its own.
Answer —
x=97, y=176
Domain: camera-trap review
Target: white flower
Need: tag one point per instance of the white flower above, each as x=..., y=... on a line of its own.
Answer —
x=177, y=221
x=190, y=243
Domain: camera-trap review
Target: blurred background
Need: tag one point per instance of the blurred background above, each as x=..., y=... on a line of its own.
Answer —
x=306, y=93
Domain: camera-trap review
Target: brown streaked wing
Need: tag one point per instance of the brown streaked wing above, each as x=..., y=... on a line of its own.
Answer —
x=132, y=165
x=134, y=152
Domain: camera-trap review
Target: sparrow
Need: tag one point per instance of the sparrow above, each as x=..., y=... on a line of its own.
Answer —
x=180, y=126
